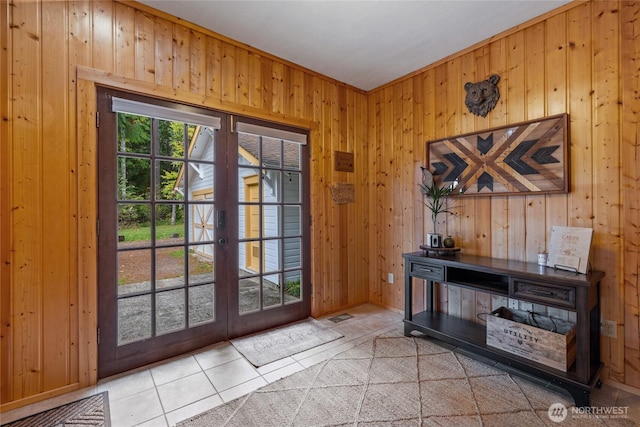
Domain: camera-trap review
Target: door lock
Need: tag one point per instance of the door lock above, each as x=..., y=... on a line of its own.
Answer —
x=222, y=241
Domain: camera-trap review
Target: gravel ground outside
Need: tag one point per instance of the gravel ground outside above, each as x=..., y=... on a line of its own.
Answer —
x=134, y=313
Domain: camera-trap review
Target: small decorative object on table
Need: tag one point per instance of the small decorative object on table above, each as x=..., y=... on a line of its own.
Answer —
x=542, y=258
x=449, y=242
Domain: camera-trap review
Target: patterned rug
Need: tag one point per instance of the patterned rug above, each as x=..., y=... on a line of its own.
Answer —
x=90, y=411
x=397, y=381
x=276, y=344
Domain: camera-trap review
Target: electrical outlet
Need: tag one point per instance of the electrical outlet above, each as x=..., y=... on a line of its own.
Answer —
x=390, y=278
x=526, y=306
x=513, y=304
x=609, y=328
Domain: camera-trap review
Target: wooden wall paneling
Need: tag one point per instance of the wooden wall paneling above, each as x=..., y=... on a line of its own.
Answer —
x=5, y=219
x=630, y=138
x=318, y=225
x=470, y=209
x=438, y=105
x=345, y=211
x=451, y=126
x=534, y=70
x=580, y=105
x=267, y=95
x=125, y=47
x=482, y=216
x=80, y=47
x=499, y=225
x=329, y=273
x=396, y=182
x=431, y=88
x=453, y=104
x=103, y=35
x=393, y=201
x=580, y=99
x=255, y=81
x=278, y=97
x=406, y=160
x=213, y=78
x=197, y=62
x=313, y=110
x=87, y=242
x=556, y=103
x=56, y=204
x=363, y=220
x=242, y=76
x=27, y=219
x=331, y=214
x=356, y=227
x=228, y=73
x=181, y=42
x=464, y=223
x=374, y=125
x=516, y=112
x=144, y=47
x=416, y=205
x=286, y=94
x=535, y=226
x=606, y=136
x=384, y=209
x=163, y=52
x=297, y=95
x=354, y=219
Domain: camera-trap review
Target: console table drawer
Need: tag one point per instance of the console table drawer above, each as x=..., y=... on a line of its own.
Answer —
x=428, y=271
x=556, y=295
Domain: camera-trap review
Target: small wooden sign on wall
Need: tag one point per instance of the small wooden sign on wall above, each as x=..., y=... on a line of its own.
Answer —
x=343, y=161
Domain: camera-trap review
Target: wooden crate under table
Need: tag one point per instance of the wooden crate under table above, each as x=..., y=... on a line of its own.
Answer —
x=552, y=342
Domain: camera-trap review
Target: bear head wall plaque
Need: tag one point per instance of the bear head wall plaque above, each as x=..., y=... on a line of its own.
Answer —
x=482, y=96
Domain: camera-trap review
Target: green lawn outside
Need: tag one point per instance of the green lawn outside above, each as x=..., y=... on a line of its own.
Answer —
x=144, y=233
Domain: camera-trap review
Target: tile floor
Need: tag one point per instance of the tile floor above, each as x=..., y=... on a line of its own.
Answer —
x=165, y=393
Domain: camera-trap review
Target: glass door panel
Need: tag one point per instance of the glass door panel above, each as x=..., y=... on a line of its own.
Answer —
x=157, y=185
x=271, y=178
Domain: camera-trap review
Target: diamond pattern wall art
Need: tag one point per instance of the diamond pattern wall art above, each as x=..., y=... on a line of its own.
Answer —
x=523, y=158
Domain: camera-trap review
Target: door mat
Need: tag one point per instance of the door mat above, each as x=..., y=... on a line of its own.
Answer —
x=90, y=411
x=276, y=344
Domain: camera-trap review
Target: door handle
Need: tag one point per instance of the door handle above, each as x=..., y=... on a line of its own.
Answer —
x=222, y=241
x=222, y=219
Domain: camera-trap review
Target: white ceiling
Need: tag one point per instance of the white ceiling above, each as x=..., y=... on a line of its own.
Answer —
x=362, y=43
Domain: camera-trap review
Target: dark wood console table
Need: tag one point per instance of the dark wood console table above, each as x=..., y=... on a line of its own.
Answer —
x=523, y=281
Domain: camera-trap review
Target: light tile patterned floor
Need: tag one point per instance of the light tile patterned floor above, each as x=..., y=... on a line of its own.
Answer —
x=165, y=393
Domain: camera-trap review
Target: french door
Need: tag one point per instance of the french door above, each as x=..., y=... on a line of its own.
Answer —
x=201, y=235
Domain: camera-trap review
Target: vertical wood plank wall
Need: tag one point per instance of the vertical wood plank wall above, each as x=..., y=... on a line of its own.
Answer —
x=47, y=169
x=582, y=60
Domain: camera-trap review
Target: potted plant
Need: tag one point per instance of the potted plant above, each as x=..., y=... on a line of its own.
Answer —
x=435, y=195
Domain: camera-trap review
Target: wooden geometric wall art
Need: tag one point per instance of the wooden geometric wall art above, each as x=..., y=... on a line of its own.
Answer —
x=524, y=158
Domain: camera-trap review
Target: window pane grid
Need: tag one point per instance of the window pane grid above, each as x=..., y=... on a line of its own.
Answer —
x=165, y=167
x=270, y=219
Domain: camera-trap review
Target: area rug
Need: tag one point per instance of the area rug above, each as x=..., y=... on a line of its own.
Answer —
x=90, y=411
x=397, y=381
x=276, y=344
